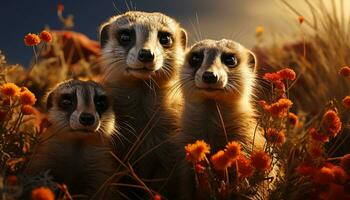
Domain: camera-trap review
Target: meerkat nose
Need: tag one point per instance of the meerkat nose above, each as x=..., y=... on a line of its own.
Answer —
x=209, y=77
x=86, y=119
x=146, y=55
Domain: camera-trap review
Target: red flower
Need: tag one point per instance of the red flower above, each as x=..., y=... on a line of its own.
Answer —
x=12, y=180
x=316, y=149
x=318, y=136
x=345, y=71
x=335, y=192
x=233, y=150
x=261, y=160
x=287, y=74
x=220, y=161
x=42, y=193
x=305, y=169
x=331, y=123
x=278, y=109
x=324, y=176
x=272, y=77
x=45, y=36
x=346, y=102
x=26, y=97
x=275, y=137
x=245, y=168
x=31, y=39
x=157, y=197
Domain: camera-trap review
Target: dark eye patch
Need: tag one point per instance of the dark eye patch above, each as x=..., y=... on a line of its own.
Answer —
x=165, y=39
x=101, y=103
x=125, y=36
x=67, y=102
x=195, y=59
x=229, y=59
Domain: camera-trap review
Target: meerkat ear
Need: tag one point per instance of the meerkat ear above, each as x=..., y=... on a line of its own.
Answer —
x=252, y=60
x=104, y=36
x=49, y=100
x=183, y=35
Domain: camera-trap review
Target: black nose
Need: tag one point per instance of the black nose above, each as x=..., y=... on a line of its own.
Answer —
x=145, y=55
x=86, y=119
x=209, y=77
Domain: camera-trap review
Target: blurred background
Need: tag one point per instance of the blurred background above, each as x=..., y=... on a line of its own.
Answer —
x=233, y=19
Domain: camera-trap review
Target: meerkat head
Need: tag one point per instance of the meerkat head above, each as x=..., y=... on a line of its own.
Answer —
x=217, y=69
x=142, y=46
x=80, y=106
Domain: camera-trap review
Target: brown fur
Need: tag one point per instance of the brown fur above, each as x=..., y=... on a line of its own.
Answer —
x=231, y=96
x=80, y=159
x=142, y=99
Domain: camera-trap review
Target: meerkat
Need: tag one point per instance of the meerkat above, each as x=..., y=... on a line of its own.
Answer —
x=76, y=147
x=142, y=53
x=217, y=82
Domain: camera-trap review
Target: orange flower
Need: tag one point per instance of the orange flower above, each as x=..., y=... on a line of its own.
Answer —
x=157, y=197
x=45, y=36
x=42, y=193
x=346, y=102
x=261, y=160
x=9, y=89
x=305, y=169
x=287, y=74
x=28, y=110
x=245, y=168
x=26, y=97
x=220, y=161
x=196, y=152
x=31, y=39
x=274, y=136
x=324, y=176
x=331, y=122
x=345, y=162
x=318, y=136
x=293, y=119
x=233, y=150
x=345, y=71
x=272, y=77
x=279, y=108
x=301, y=19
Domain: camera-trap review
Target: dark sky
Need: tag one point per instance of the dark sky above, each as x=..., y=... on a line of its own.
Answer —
x=234, y=19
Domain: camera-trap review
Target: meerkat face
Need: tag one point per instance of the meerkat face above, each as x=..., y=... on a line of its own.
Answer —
x=141, y=46
x=216, y=68
x=80, y=106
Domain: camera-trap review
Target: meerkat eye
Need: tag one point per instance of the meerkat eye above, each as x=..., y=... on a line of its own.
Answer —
x=165, y=39
x=124, y=37
x=196, y=59
x=230, y=60
x=101, y=103
x=66, y=101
